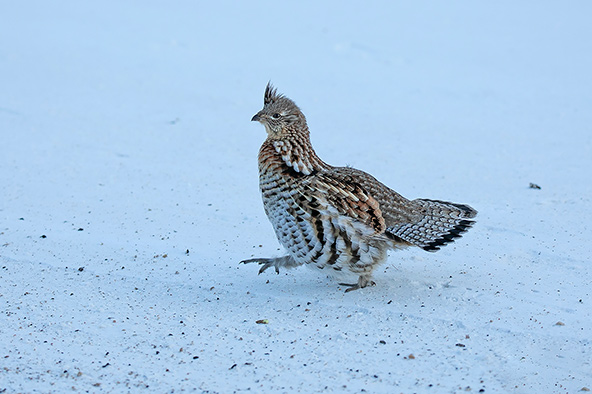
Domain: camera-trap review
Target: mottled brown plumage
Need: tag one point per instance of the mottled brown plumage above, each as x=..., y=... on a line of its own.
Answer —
x=338, y=218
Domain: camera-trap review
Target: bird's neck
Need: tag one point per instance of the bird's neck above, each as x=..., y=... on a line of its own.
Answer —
x=294, y=151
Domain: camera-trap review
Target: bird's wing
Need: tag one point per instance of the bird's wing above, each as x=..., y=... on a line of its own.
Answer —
x=395, y=208
x=356, y=195
x=342, y=197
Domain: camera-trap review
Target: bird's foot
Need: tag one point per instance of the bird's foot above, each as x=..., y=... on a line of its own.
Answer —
x=362, y=282
x=264, y=262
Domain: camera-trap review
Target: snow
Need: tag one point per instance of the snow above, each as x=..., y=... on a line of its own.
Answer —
x=126, y=142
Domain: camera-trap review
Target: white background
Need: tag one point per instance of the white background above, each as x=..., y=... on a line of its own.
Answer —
x=125, y=140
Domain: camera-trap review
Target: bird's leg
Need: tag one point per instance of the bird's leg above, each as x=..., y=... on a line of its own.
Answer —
x=277, y=262
x=363, y=281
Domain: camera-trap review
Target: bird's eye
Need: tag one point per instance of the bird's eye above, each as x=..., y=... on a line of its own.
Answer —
x=275, y=116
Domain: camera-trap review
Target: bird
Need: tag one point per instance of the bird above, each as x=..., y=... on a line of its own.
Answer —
x=338, y=219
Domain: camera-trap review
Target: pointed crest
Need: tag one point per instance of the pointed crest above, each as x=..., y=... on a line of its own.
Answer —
x=270, y=94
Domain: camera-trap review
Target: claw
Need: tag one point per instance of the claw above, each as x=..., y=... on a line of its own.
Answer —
x=362, y=282
x=265, y=264
x=350, y=287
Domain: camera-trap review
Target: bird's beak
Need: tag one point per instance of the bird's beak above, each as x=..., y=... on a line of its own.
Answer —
x=256, y=118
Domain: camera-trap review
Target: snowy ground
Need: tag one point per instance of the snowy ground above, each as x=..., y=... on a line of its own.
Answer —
x=129, y=195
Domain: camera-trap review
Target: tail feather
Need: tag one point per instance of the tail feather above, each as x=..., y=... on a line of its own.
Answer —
x=441, y=224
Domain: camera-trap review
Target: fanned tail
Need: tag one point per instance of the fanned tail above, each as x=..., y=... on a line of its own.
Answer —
x=442, y=223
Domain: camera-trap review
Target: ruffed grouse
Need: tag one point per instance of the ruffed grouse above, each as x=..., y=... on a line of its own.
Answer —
x=338, y=218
